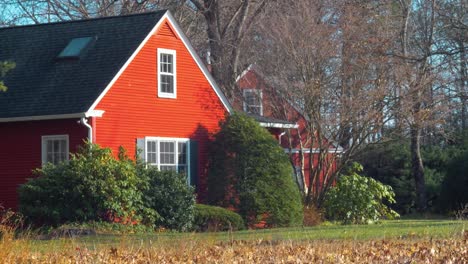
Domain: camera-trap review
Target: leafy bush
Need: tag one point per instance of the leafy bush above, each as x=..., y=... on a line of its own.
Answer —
x=91, y=186
x=250, y=172
x=170, y=195
x=214, y=218
x=359, y=200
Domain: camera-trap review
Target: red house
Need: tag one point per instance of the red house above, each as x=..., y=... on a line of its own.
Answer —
x=287, y=124
x=131, y=81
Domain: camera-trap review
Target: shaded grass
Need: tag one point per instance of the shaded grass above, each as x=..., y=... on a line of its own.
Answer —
x=395, y=229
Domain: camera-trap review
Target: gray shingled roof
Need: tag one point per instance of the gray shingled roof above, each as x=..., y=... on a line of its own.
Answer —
x=42, y=85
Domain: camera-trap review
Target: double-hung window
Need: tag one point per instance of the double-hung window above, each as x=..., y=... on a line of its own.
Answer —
x=54, y=149
x=167, y=85
x=253, y=101
x=166, y=153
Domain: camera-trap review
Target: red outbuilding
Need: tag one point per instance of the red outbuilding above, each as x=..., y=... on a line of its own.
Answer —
x=288, y=125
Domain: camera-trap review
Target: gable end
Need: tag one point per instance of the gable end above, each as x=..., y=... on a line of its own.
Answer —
x=177, y=31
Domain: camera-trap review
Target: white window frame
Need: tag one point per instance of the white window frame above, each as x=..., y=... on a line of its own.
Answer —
x=162, y=94
x=244, y=99
x=176, y=151
x=44, y=141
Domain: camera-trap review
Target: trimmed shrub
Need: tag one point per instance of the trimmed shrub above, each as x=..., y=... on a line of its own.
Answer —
x=250, y=172
x=91, y=186
x=170, y=195
x=359, y=200
x=214, y=218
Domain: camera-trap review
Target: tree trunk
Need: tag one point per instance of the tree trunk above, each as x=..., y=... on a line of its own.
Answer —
x=417, y=168
x=463, y=78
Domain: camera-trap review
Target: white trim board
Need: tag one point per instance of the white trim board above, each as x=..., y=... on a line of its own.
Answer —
x=314, y=150
x=93, y=113
x=186, y=42
x=162, y=94
x=278, y=125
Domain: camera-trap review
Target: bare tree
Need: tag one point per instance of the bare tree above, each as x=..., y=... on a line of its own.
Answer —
x=307, y=44
x=228, y=24
x=418, y=70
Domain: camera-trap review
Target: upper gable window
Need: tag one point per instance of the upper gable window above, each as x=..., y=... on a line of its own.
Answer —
x=253, y=101
x=167, y=87
x=75, y=47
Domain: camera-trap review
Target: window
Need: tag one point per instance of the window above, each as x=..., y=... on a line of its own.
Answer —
x=76, y=47
x=166, y=153
x=253, y=101
x=54, y=149
x=167, y=73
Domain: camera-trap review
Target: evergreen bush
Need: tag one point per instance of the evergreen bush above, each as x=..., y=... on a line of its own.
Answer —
x=170, y=195
x=250, y=172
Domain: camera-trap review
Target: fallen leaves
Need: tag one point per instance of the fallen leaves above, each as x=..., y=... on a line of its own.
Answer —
x=453, y=250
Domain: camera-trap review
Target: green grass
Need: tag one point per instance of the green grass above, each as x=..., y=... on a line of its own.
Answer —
x=395, y=229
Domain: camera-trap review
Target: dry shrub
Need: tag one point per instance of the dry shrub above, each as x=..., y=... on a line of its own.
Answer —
x=9, y=222
x=312, y=216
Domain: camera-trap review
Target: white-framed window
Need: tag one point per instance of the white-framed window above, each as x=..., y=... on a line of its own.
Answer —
x=54, y=149
x=253, y=101
x=167, y=81
x=166, y=153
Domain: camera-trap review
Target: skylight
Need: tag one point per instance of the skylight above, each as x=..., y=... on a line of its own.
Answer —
x=75, y=47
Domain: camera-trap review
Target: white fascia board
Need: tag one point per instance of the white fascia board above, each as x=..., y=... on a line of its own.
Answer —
x=43, y=117
x=278, y=125
x=94, y=113
x=244, y=73
x=124, y=67
x=199, y=62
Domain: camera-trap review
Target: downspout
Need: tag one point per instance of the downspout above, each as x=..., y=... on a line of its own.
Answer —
x=279, y=137
x=84, y=121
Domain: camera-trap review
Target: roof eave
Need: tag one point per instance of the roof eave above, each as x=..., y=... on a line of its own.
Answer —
x=278, y=125
x=93, y=113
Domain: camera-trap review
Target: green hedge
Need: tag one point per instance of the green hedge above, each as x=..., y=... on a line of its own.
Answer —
x=214, y=218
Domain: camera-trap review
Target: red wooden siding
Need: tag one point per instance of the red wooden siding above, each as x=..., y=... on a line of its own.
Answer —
x=20, y=151
x=252, y=80
x=133, y=109
x=166, y=30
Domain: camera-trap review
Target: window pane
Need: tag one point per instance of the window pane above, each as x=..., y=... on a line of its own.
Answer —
x=167, y=83
x=152, y=149
x=167, y=153
x=168, y=168
x=50, y=146
x=253, y=101
x=56, y=146
x=182, y=153
x=50, y=157
x=166, y=63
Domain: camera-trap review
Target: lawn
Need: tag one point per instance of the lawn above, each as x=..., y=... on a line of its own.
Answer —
x=403, y=240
